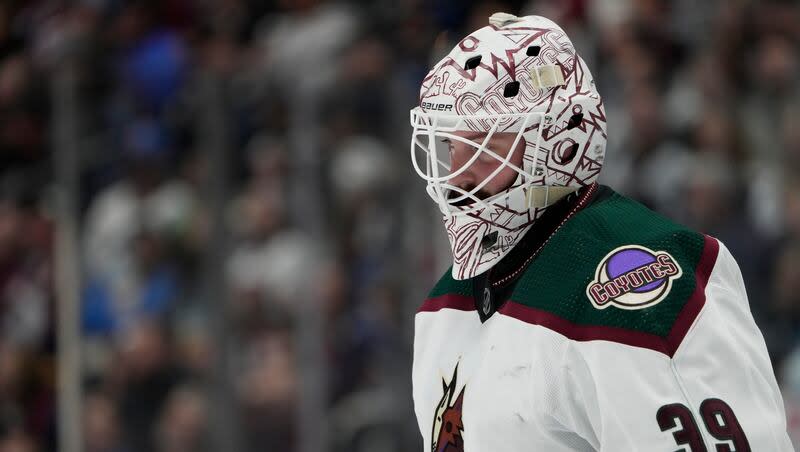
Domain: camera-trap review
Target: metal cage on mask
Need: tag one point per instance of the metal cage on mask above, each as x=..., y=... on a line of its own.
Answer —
x=431, y=129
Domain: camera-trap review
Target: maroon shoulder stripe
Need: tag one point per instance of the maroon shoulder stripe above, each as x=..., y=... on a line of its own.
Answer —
x=666, y=345
x=697, y=300
x=449, y=301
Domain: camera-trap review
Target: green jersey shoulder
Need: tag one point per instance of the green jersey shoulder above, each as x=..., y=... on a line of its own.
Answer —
x=614, y=271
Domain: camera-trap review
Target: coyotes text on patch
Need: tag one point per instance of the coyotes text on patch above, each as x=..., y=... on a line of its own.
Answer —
x=633, y=277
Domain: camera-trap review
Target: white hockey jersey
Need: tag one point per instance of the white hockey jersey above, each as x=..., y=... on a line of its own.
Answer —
x=627, y=332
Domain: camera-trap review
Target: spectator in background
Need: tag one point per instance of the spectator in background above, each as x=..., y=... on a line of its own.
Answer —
x=131, y=275
x=25, y=243
x=17, y=441
x=26, y=398
x=22, y=106
x=102, y=430
x=267, y=391
x=147, y=292
x=18, y=411
x=271, y=258
x=145, y=375
x=304, y=37
x=183, y=423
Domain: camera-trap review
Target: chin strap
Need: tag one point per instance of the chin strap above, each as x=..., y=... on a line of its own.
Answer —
x=543, y=196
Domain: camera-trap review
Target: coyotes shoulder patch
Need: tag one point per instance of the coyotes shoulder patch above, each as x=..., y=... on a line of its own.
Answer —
x=633, y=277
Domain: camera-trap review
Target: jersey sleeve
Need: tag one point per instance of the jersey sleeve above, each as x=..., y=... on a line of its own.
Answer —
x=717, y=389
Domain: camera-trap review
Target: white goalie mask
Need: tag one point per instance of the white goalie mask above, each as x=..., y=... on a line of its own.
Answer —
x=508, y=123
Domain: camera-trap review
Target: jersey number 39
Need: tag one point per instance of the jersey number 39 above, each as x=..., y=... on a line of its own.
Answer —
x=718, y=418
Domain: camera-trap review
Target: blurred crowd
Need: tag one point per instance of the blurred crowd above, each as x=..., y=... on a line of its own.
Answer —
x=326, y=223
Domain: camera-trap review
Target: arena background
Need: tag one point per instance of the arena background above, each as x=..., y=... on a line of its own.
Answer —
x=211, y=238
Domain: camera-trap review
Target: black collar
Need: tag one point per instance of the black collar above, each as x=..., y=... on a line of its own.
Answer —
x=492, y=288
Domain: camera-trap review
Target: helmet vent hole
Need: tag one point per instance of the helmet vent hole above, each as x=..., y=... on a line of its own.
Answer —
x=473, y=62
x=489, y=240
x=533, y=51
x=511, y=89
x=575, y=121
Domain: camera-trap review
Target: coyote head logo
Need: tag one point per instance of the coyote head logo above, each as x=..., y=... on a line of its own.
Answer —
x=447, y=425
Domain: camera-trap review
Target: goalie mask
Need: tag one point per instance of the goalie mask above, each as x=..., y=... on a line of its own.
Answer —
x=508, y=123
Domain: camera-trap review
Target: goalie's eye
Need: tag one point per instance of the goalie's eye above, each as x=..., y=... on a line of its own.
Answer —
x=472, y=148
x=485, y=157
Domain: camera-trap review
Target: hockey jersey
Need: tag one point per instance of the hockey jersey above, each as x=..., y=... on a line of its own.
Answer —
x=623, y=332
